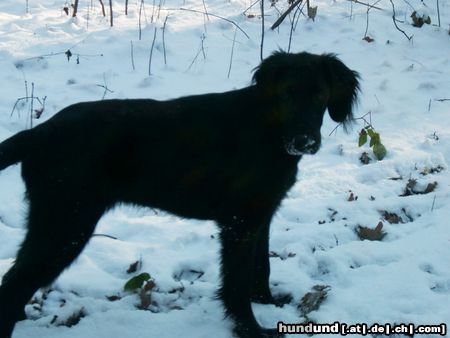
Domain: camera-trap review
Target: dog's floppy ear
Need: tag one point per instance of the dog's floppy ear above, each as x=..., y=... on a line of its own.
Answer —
x=344, y=88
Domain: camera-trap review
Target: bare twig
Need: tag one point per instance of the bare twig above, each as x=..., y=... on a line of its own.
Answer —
x=151, y=53
x=434, y=200
x=368, y=5
x=292, y=28
x=31, y=105
x=111, y=12
x=126, y=7
x=140, y=18
x=105, y=87
x=104, y=235
x=285, y=14
x=103, y=7
x=206, y=11
x=262, y=30
x=367, y=17
x=75, y=8
x=368, y=123
x=438, y=13
x=200, y=50
x=253, y=4
x=395, y=23
x=442, y=100
x=132, y=55
x=164, y=39
x=216, y=16
x=232, y=52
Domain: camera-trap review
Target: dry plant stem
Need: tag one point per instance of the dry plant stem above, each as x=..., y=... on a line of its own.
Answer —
x=153, y=11
x=140, y=19
x=253, y=4
x=364, y=4
x=132, y=55
x=285, y=14
x=232, y=52
x=103, y=7
x=363, y=118
x=367, y=17
x=164, y=39
x=151, y=53
x=31, y=105
x=438, y=13
x=110, y=12
x=262, y=30
x=206, y=11
x=200, y=50
x=126, y=7
x=395, y=23
x=216, y=16
x=75, y=8
x=292, y=28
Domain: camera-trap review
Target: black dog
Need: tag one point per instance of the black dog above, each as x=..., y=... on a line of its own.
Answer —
x=229, y=157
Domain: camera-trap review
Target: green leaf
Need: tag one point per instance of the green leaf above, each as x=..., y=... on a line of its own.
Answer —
x=371, y=132
x=136, y=282
x=375, y=139
x=380, y=151
x=362, y=138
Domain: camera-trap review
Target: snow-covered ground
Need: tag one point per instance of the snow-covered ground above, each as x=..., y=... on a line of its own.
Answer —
x=405, y=278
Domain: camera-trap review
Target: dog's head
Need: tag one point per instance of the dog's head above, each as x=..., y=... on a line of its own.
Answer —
x=301, y=87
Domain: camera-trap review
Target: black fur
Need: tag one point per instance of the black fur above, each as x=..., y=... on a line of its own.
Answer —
x=229, y=157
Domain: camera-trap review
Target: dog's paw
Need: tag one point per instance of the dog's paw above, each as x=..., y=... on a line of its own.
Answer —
x=278, y=300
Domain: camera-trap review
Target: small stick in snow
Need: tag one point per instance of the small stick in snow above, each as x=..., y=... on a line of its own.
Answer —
x=395, y=23
x=132, y=55
x=151, y=53
x=262, y=30
x=285, y=14
x=164, y=39
x=232, y=52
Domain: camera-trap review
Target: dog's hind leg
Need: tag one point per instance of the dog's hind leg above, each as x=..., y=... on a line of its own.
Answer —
x=58, y=230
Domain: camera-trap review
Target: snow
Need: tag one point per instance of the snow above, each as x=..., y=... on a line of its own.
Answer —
x=405, y=278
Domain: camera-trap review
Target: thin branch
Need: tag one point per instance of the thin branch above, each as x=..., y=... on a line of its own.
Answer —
x=103, y=7
x=164, y=40
x=285, y=14
x=206, y=11
x=395, y=23
x=367, y=17
x=232, y=52
x=438, y=13
x=292, y=28
x=139, y=20
x=216, y=16
x=132, y=55
x=248, y=8
x=262, y=30
x=111, y=12
x=31, y=105
x=200, y=50
x=75, y=8
x=104, y=235
x=151, y=54
x=368, y=5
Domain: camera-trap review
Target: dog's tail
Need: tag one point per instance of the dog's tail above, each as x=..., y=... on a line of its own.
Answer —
x=15, y=148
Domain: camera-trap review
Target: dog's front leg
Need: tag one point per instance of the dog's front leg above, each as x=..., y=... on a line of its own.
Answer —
x=238, y=238
x=260, y=292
